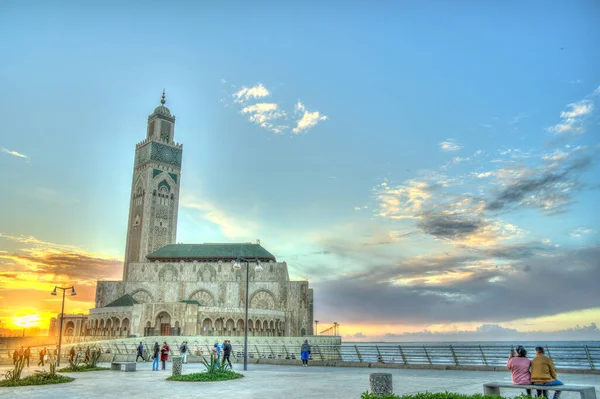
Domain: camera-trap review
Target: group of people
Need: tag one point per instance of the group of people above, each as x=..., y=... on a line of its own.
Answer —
x=76, y=354
x=539, y=371
x=226, y=348
x=161, y=353
x=25, y=354
x=22, y=353
x=45, y=355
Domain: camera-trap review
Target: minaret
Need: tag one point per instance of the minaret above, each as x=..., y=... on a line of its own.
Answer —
x=154, y=189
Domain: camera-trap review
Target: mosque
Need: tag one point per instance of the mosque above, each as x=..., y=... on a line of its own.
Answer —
x=188, y=289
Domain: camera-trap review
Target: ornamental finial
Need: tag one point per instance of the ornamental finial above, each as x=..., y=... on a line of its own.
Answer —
x=162, y=100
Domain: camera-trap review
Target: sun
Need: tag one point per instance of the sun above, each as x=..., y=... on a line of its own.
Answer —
x=27, y=321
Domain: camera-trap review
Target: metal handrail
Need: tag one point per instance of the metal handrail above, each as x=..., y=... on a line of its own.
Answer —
x=585, y=357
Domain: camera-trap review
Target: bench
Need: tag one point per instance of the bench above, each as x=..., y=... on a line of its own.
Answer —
x=129, y=366
x=586, y=392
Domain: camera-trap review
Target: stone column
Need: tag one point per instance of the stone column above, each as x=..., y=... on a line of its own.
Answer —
x=381, y=383
x=177, y=364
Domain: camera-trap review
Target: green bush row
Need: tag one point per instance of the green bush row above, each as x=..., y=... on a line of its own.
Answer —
x=439, y=395
x=36, y=379
x=222, y=375
x=81, y=369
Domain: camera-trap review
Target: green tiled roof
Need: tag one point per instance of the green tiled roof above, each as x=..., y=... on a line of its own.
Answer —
x=191, y=302
x=125, y=300
x=211, y=251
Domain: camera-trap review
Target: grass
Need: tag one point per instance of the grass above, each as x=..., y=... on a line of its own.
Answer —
x=223, y=375
x=81, y=369
x=440, y=395
x=36, y=379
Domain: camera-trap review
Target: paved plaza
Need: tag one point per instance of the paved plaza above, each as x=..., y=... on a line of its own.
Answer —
x=270, y=381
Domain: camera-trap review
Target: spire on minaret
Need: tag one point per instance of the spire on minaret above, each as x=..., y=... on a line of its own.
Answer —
x=162, y=100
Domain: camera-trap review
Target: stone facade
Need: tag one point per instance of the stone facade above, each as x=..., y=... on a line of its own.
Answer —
x=74, y=325
x=190, y=289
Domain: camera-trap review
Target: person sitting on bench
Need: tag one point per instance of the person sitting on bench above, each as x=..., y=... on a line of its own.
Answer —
x=519, y=365
x=543, y=373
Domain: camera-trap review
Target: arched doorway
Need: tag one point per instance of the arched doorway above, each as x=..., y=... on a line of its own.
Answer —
x=163, y=322
x=69, y=329
x=207, y=327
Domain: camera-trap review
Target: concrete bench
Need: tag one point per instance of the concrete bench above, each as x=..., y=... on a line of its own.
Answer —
x=586, y=392
x=129, y=366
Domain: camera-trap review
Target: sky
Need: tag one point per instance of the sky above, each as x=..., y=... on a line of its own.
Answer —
x=430, y=167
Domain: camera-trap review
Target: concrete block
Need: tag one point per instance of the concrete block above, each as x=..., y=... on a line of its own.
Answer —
x=381, y=383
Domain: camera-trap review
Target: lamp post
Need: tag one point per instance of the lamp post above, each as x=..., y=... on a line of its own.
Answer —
x=237, y=265
x=62, y=316
x=316, y=327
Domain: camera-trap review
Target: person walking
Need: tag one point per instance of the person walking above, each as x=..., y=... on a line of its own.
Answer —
x=543, y=373
x=184, y=349
x=519, y=365
x=156, y=355
x=227, y=352
x=164, y=355
x=140, y=352
x=27, y=354
x=42, y=357
x=72, y=354
x=305, y=353
x=15, y=356
x=217, y=352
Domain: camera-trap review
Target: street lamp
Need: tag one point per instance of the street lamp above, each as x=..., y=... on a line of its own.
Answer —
x=316, y=327
x=62, y=316
x=237, y=265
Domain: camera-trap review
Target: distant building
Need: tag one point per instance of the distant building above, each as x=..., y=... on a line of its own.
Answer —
x=74, y=325
x=189, y=289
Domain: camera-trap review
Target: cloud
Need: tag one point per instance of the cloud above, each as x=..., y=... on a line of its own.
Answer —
x=518, y=118
x=404, y=201
x=470, y=288
x=245, y=94
x=229, y=225
x=308, y=119
x=270, y=115
x=263, y=114
x=549, y=188
x=13, y=153
x=29, y=274
x=458, y=218
x=357, y=335
x=482, y=175
x=450, y=145
x=450, y=226
x=581, y=231
x=572, y=119
x=496, y=332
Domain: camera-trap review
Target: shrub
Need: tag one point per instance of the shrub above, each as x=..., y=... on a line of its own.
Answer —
x=93, y=358
x=81, y=368
x=15, y=373
x=213, y=365
x=219, y=375
x=37, y=379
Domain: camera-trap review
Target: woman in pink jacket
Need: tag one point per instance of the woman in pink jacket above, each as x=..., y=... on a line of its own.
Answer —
x=520, y=365
x=164, y=354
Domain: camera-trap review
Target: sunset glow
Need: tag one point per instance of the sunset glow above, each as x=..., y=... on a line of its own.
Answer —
x=428, y=169
x=27, y=321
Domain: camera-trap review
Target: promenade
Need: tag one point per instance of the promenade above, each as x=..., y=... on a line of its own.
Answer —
x=270, y=381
